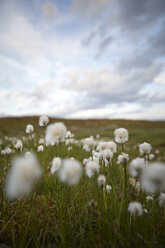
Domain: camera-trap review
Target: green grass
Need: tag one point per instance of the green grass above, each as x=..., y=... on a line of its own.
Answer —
x=56, y=215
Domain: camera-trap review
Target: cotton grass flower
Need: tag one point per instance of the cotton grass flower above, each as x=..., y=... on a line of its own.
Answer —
x=153, y=178
x=112, y=146
x=41, y=142
x=43, y=121
x=136, y=167
x=70, y=171
x=135, y=209
x=149, y=198
x=107, y=155
x=108, y=188
x=101, y=181
x=145, y=148
x=3, y=152
x=89, y=144
x=151, y=156
x=8, y=151
x=123, y=158
x=29, y=128
x=40, y=148
x=121, y=135
x=25, y=171
x=55, y=133
x=91, y=168
x=19, y=145
x=56, y=164
x=162, y=200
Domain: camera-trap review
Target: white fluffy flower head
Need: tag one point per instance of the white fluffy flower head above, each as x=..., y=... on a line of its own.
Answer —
x=136, y=167
x=70, y=171
x=19, y=145
x=135, y=209
x=145, y=148
x=123, y=158
x=56, y=164
x=121, y=135
x=29, y=128
x=89, y=144
x=25, y=171
x=91, y=168
x=108, y=188
x=101, y=181
x=55, y=133
x=153, y=178
x=40, y=148
x=43, y=121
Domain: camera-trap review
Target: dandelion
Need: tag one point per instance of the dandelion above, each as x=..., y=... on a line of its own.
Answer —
x=145, y=148
x=108, y=188
x=40, y=148
x=123, y=158
x=101, y=181
x=55, y=133
x=56, y=164
x=135, y=209
x=25, y=171
x=121, y=135
x=136, y=167
x=29, y=128
x=153, y=178
x=162, y=200
x=19, y=145
x=70, y=171
x=91, y=168
x=43, y=121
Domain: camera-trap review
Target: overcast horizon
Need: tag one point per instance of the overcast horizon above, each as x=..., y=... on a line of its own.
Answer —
x=82, y=59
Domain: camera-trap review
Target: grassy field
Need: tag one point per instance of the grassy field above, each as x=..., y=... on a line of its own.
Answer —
x=56, y=215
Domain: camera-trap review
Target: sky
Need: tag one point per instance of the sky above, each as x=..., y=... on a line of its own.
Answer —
x=83, y=58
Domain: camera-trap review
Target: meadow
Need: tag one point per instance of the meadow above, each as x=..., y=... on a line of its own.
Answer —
x=82, y=215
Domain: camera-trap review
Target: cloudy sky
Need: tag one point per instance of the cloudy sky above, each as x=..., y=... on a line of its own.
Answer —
x=83, y=58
